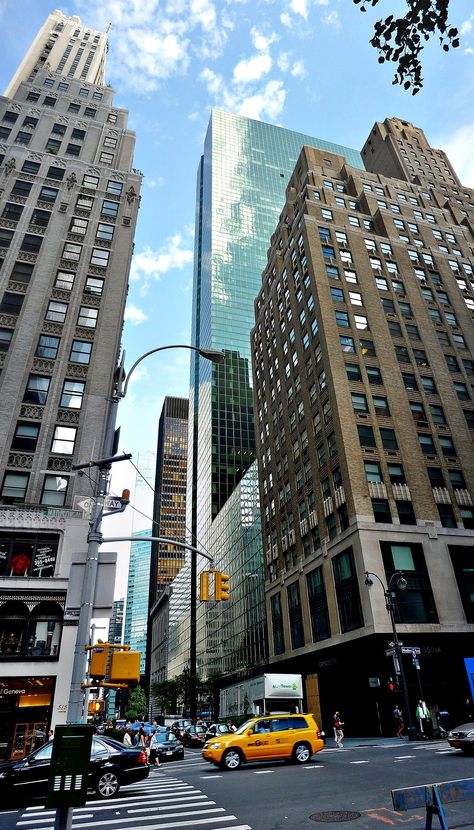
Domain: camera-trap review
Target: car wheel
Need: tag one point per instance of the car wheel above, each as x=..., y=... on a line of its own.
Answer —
x=231, y=759
x=301, y=753
x=108, y=784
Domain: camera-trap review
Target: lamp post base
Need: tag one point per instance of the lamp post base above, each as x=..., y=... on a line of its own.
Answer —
x=411, y=732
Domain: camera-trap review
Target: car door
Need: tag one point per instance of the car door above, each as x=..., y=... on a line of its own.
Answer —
x=31, y=775
x=258, y=744
x=282, y=737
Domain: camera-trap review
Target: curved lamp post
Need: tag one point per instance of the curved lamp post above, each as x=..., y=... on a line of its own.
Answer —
x=75, y=712
x=389, y=595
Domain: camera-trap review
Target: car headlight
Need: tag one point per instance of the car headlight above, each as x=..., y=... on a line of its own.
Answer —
x=215, y=745
x=470, y=734
x=3, y=775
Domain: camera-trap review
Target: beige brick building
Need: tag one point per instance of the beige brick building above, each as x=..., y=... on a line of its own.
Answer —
x=363, y=376
x=68, y=206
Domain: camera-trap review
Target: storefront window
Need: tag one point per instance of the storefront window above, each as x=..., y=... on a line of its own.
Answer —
x=25, y=633
x=28, y=555
x=25, y=715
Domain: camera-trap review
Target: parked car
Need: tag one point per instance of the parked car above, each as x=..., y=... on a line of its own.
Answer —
x=170, y=749
x=194, y=736
x=111, y=766
x=216, y=729
x=286, y=737
x=179, y=726
x=462, y=737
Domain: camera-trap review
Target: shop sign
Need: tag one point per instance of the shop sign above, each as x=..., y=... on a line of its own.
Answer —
x=8, y=691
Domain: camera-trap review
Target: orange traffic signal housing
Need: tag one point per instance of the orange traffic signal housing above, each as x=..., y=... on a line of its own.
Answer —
x=99, y=657
x=124, y=666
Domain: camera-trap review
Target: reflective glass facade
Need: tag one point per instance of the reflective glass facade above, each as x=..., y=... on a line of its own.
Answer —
x=240, y=191
x=136, y=613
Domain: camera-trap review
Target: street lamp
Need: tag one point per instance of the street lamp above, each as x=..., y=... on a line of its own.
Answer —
x=389, y=595
x=75, y=713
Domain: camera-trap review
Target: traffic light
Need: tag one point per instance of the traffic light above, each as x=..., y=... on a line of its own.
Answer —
x=99, y=657
x=204, y=586
x=221, y=586
x=125, y=497
x=392, y=685
x=124, y=666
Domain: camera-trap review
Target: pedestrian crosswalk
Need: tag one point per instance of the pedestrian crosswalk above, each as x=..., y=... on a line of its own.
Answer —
x=160, y=803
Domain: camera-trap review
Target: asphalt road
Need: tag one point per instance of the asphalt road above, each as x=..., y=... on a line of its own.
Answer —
x=274, y=796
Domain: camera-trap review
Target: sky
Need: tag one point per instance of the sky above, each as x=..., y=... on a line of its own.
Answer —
x=303, y=64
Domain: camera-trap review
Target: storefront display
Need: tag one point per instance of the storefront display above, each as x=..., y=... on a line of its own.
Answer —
x=25, y=714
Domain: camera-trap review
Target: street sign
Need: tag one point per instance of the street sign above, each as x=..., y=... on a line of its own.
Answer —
x=374, y=682
x=389, y=652
x=87, y=504
x=411, y=650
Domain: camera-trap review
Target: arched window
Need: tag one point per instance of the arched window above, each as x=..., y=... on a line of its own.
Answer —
x=44, y=631
x=14, y=617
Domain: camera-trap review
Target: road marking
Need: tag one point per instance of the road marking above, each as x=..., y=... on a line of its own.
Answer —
x=203, y=777
x=315, y=766
x=403, y=757
x=174, y=807
x=263, y=771
x=358, y=762
x=37, y=821
x=167, y=826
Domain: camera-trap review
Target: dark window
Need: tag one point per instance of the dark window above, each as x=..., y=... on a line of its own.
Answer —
x=21, y=188
x=318, y=607
x=452, y=363
x=457, y=479
x=31, y=243
x=447, y=445
x=367, y=348
x=26, y=436
x=23, y=137
x=469, y=416
x=49, y=101
x=353, y=372
x=381, y=510
x=55, y=173
x=73, y=149
x=31, y=167
x=381, y=405
x=467, y=516
x=429, y=386
x=12, y=211
x=11, y=303
x=359, y=402
x=374, y=376
x=37, y=389
x=10, y=117
x=396, y=474
x=277, y=625
x=32, y=96
x=418, y=411
x=347, y=591
x=58, y=129
x=27, y=554
x=435, y=476
x=52, y=146
x=437, y=413
x=402, y=354
x=406, y=514
x=31, y=122
x=446, y=514
x=78, y=134
x=5, y=339
x=366, y=436
x=415, y=604
x=74, y=107
x=409, y=382
x=90, y=112
x=40, y=217
x=13, y=492
x=4, y=133
x=426, y=444
x=295, y=616
x=463, y=563
x=48, y=194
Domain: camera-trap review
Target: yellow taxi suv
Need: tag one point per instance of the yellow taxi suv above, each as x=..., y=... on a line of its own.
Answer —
x=277, y=737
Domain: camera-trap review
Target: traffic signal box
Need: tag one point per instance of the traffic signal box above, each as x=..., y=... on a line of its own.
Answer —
x=113, y=665
x=221, y=586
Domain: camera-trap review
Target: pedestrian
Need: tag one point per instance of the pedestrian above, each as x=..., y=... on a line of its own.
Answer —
x=127, y=738
x=422, y=716
x=338, y=731
x=400, y=726
x=50, y=735
x=231, y=727
x=141, y=736
x=153, y=760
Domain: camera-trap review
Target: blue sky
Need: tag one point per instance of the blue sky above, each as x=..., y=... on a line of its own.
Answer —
x=304, y=64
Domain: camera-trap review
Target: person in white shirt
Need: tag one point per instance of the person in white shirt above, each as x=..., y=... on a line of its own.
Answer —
x=127, y=738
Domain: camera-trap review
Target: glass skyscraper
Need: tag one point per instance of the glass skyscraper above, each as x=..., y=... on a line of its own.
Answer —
x=136, y=612
x=240, y=192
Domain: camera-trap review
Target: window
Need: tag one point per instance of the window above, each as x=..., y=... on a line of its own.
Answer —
x=47, y=347
x=21, y=188
x=114, y=187
x=5, y=339
x=421, y=358
x=94, y=285
x=100, y=257
x=418, y=411
x=435, y=476
x=54, y=490
x=402, y=354
x=105, y=231
x=55, y=173
x=381, y=283
x=347, y=344
x=462, y=558
x=359, y=402
x=80, y=352
x=87, y=317
x=106, y=158
x=426, y=444
x=389, y=307
x=342, y=318
x=112, y=118
x=10, y=117
x=347, y=591
x=49, y=101
x=31, y=243
x=56, y=312
x=447, y=445
x=373, y=471
x=11, y=303
x=109, y=141
x=381, y=405
x=64, y=280
x=63, y=440
x=295, y=615
x=84, y=92
x=332, y=272
x=405, y=309
x=23, y=137
x=318, y=605
x=405, y=511
x=366, y=436
x=277, y=624
x=415, y=604
x=4, y=133
x=48, y=194
x=429, y=386
x=437, y=413
x=452, y=363
x=31, y=167
x=12, y=211
x=461, y=391
x=90, y=112
x=52, y=146
x=353, y=372
x=446, y=515
x=14, y=488
x=90, y=181
x=32, y=96
x=389, y=439
x=367, y=348
x=37, y=389
x=109, y=208
x=361, y=322
x=72, y=394
x=374, y=376
x=74, y=107
x=78, y=226
x=412, y=331
x=73, y=149
x=26, y=436
x=396, y=473
x=72, y=251
x=381, y=510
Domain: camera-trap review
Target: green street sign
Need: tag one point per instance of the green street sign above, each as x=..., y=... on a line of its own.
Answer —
x=70, y=762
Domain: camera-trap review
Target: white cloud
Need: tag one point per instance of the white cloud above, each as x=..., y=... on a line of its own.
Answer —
x=135, y=314
x=152, y=183
x=298, y=69
x=285, y=20
x=262, y=42
x=466, y=26
x=150, y=264
x=458, y=148
x=252, y=69
x=331, y=19
x=268, y=103
x=299, y=7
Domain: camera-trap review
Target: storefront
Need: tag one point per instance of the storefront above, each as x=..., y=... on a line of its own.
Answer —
x=25, y=714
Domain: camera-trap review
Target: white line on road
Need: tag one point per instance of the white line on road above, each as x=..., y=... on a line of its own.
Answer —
x=168, y=825
x=263, y=771
x=315, y=766
x=37, y=821
x=403, y=757
x=358, y=762
x=173, y=807
x=203, y=777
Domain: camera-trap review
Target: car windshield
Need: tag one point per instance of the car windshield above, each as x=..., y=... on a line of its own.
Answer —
x=244, y=727
x=162, y=737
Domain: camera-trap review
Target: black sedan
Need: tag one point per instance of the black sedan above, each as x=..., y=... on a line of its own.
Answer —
x=179, y=726
x=111, y=766
x=462, y=737
x=169, y=748
x=194, y=736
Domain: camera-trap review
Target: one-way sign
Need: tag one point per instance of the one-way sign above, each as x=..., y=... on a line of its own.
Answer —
x=86, y=504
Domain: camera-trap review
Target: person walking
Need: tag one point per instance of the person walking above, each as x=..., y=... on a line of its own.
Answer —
x=153, y=760
x=422, y=716
x=127, y=738
x=400, y=726
x=142, y=736
x=338, y=731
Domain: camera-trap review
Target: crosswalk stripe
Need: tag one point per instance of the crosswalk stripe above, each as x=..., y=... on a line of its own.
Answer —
x=193, y=823
x=170, y=807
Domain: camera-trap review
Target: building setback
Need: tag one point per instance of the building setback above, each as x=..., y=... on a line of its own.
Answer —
x=363, y=374
x=68, y=205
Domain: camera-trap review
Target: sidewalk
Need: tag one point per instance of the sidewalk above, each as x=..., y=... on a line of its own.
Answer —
x=353, y=743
